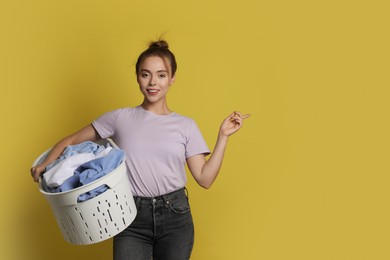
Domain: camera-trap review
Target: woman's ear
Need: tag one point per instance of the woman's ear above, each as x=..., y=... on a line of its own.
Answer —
x=172, y=80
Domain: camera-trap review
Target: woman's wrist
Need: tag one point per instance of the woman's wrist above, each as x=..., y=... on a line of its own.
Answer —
x=223, y=137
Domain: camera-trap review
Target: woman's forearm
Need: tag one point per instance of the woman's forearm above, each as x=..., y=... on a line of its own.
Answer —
x=212, y=166
x=56, y=151
x=206, y=171
x=88, y=133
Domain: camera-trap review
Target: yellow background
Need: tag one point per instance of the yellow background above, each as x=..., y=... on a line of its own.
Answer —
x=306, y=178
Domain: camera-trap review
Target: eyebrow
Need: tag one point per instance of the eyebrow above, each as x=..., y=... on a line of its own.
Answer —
x=157, y=71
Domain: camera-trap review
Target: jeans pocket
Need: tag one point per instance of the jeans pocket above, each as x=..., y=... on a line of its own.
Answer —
x=179, y=205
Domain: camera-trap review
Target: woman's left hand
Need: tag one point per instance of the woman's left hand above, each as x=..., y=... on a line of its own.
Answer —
x=232, y=123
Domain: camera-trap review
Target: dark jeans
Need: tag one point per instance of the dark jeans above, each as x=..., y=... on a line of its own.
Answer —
x=162, y=230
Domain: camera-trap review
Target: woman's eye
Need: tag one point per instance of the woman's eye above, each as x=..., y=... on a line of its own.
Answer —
x=162, y=75
x=144, y=75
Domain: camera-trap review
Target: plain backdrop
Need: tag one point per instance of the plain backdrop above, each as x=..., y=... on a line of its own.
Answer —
x=306, y=178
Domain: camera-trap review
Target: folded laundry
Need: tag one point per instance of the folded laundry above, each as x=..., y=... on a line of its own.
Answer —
x=89, y=172
x=57, y=175
x=70, y=150
x=64, y=169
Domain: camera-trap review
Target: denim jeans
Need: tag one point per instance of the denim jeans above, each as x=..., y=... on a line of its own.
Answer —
x=162, y=230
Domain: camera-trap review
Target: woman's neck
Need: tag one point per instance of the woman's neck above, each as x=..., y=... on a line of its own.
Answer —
x=160, y=108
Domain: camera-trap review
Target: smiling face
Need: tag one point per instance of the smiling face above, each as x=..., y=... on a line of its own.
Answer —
x=154, y=79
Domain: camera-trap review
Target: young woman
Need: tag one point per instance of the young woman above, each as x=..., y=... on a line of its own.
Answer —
x=158, y=143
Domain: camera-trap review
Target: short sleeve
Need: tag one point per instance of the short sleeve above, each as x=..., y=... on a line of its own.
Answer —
x=105, y=124
x=195, y=142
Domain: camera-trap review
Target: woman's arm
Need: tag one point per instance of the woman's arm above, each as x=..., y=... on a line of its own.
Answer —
x=206, y=171
x=87, y=133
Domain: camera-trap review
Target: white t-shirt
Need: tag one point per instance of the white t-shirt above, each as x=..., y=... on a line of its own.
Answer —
x=156, y=147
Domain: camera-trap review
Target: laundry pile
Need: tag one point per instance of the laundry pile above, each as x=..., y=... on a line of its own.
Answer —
x=79, y=165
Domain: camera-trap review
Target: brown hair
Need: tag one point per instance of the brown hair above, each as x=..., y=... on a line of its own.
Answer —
x=160, y=49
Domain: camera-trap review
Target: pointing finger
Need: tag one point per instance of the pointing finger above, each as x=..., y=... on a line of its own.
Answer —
x=240, y=115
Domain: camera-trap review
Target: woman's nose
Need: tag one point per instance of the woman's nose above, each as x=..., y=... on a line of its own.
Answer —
x=152, y=81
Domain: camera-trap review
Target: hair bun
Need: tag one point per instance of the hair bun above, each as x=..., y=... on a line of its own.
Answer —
x=159, y=44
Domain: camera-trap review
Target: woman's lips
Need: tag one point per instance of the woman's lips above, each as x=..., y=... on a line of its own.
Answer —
x=152, y=91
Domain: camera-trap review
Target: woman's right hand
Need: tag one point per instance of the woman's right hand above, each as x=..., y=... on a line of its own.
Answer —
x=37, y=171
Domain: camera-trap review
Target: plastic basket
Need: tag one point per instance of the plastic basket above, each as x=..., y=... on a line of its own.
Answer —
x=99, y=218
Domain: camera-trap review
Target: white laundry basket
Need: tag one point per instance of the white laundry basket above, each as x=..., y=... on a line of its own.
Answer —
x=99, y=218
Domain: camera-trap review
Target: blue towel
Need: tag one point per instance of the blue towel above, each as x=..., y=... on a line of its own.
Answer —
x=91, y=171
x=96, y=169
